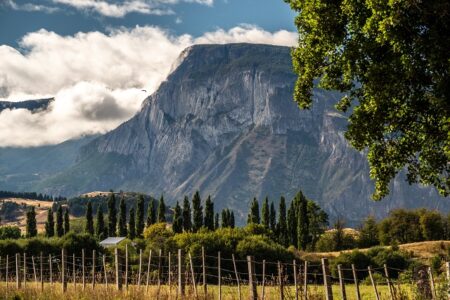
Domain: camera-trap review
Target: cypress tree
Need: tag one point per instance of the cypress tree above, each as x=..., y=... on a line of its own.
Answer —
x=112, y=215
x=50, y=224
x=100, y=230
x=265, y=212
x=151, y=213
x=59, y=222
x=140, y=211
x=89, y=219
x=161, y=210
x=282, y=226
x=273, y=218
x=177, y=225
x=253, y=216
x=187, y=223
x=216, y=221
x=292, y=225
x=209, y=214
x=197, y=216
x=225, y=218
x=302, y=222
x=66, y=221
x=132, y=225
x=31, y=227
x=122, y=227
x=231, y=220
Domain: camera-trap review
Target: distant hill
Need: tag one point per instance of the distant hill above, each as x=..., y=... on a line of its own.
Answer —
x=32, y=105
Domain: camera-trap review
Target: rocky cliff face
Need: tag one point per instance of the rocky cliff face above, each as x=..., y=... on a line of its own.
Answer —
x=225, y=123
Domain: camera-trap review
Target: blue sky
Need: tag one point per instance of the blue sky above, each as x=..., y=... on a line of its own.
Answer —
x=97, y=57
x=19, y=17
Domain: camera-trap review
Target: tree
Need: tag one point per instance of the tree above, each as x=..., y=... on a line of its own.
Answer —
x=292, y=225
x=265, y=213
x=216, y=221
x=66, y=221
x=391, y=62
x=132, y=225
x=253, y=216
x=302, y=222
x=112, y=215
x=225, y=218
x=187, y=223
x=432, y=225
x=161, y=210
x=368, y=234
x=273, y=218
x=31, y=227
x=122, y=226
x=177, y=225
x=282, y=226
x=338, y=237
x=50, y=224
x=231, y=221
x=89, y=219
x=209, y=214
x=151, y=213
x=197, y=214
x=318, y=222
x=100, y=230
x=59, y=222
x=140, y=211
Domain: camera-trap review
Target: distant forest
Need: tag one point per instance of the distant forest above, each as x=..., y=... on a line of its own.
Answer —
x=30, y=195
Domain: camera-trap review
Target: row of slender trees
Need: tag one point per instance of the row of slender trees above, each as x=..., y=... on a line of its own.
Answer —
x=52, y=228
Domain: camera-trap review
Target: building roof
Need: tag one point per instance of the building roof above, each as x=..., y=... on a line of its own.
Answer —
x=111, y=241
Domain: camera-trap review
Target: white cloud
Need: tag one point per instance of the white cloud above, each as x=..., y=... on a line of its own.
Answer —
x=119, y=9
x=30, y=7
x=96, y=78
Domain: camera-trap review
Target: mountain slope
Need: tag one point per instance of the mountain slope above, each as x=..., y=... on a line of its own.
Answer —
x=225, y=123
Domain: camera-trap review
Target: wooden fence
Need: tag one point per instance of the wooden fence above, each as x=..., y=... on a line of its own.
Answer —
x=181, y=270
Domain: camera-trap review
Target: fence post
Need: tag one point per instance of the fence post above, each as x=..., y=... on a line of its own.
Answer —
x=116, y=260
x=24, y=269
x=140, y=268
x=7, y=269
x=51, y=269
x=252, y=278
x=237, y=276
x=447, y=268
x=17, y=271
x=34, y=269
x=74, y=272
x=82, y=269
x=126, y=267
x=159, y=273
x=219, y=273
x=342, y=283
x=180, y=275
x=305, y=281
x=93, y=269
x=148, y=270
x=388, y=281
x=205, y=287
x=193, y=276
x=373, y=283
x=433, y=288
x=295, y=278
x=355, y=280
x=170, y=277
x=42, y=270
x=263, y=296
x=104, y=270
x=327, y=279
x=63, y=270
x=280, y=280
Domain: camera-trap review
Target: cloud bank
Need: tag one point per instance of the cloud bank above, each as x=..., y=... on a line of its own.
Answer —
x=97, y=79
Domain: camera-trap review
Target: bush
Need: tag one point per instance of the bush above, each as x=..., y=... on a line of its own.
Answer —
x=356, y=257
x=9, y=232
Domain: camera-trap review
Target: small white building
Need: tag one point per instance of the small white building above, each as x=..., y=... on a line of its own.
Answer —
x=111, y=242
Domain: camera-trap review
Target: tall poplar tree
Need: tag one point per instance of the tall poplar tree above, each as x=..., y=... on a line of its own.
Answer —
x=273, y=218
x=100, y=229
x=59, y=222
x=292, y=225
x=140, y=211
x=187, y=218
x=282, y=231
x=253, y=216
x=122, y=227
x=209, y=214
x=66, y=221
x=112, y=215
x=231, y=221
x=177, y=225
x=161, y=210
x=31, y=227
x=265, y=212
x=302, y=222
x=89, y=219
x=197, y=216
x=50, y=224
x=132, y=225
x=216, y=221
x=151, y=212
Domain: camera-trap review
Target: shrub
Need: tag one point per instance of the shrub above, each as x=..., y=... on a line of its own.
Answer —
x=9, y=232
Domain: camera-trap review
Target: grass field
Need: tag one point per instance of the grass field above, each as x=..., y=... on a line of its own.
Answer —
x=101, y=292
